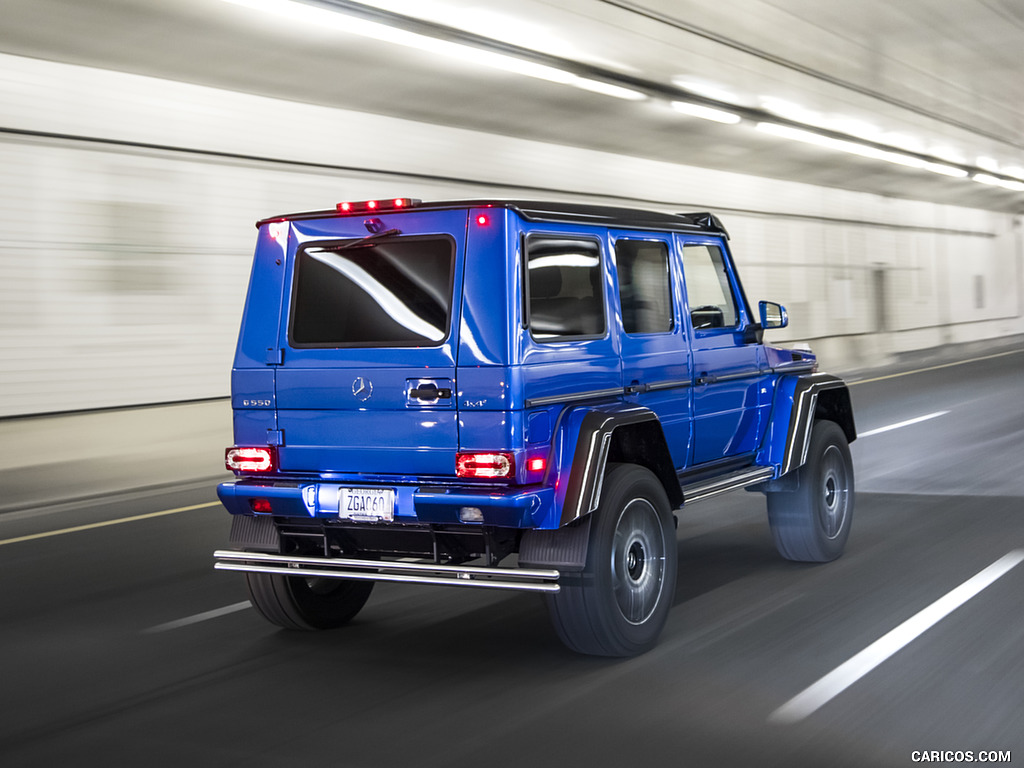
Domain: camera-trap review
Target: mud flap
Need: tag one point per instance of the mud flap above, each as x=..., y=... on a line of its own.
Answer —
x=254, y=534
x=563, y=548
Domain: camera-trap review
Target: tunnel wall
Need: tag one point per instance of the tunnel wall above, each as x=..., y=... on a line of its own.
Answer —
x=128, y=203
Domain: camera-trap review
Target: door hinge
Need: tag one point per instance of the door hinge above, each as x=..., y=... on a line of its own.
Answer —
x=274, y=357
x=275, y=437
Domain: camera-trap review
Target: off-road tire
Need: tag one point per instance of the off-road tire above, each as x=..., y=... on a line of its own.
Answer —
x=618, y=604
x=301, y=603
x=811, y=523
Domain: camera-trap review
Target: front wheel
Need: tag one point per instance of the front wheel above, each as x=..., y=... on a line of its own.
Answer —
x=812, y=522
x=298, y=602
x=619, y=604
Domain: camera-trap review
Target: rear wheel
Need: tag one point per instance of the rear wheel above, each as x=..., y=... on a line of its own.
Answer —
x=619, y=604
x=812, y=522
x=302, y=603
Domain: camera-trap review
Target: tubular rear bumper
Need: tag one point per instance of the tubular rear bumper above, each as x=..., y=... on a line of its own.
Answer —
x=517, y=507
x=519, y=579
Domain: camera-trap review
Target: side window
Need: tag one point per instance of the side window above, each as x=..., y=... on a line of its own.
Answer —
x=564, y=296
x=712, y=303
x=644, y=286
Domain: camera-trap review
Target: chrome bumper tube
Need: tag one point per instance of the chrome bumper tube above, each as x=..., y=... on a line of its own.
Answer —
x=520, y=579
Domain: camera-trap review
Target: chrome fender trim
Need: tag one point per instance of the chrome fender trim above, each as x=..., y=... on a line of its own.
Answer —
x=801, y=419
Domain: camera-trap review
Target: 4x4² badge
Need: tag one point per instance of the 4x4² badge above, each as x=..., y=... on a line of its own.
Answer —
x=362, y=388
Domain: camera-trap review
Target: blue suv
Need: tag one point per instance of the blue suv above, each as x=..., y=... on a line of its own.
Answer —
x=513, y=395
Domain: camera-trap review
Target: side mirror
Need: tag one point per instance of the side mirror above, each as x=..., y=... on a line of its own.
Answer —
x=772, y=315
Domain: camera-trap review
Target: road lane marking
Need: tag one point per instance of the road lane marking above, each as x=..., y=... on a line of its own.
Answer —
x=105, y=523
x=205, y=616
x=842, y=677
x=906, y=423
x=935, y=367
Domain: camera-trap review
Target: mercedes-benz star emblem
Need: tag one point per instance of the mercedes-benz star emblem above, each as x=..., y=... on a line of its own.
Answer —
x=362, y=388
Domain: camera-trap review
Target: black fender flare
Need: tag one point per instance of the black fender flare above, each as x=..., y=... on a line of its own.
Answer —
x=799, y=401
x=593, y=438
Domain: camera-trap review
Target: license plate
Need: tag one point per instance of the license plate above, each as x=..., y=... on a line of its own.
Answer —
x=370, y=504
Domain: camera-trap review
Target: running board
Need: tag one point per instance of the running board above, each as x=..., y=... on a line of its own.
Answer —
x=705, y=489
x=521, y=579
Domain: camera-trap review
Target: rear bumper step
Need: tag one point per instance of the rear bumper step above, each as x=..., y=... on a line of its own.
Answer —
x=519, y=579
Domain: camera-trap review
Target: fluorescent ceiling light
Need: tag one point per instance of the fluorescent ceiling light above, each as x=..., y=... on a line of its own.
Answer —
x=343, y=22
x=791, y=111
x=993, y=181
x=945, y=170
x=608, y=89
x=863, y=150
x=705, y=113
x=485, y=22
x=709, y=90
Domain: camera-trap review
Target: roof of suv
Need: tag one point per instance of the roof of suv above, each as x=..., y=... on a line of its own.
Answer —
x=533, y=210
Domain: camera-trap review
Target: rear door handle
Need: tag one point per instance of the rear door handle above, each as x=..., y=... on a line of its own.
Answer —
x=430, y=393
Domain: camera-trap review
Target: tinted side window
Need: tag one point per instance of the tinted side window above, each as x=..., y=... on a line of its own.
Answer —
x=382, y=294
x=564, y=295
x=644, y=290
x=712, y=303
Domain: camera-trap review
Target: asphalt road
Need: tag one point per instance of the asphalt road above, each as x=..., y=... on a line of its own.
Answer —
x=120, y=645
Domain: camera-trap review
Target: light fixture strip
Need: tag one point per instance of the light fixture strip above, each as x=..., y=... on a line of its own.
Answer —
x=339, y=18
x=706, y=113
x=858, y=148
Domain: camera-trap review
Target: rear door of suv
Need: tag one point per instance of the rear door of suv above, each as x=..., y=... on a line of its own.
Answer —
x=656, y=365
x=368, y=338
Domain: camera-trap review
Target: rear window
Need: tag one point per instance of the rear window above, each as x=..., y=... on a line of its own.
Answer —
x=392, y=293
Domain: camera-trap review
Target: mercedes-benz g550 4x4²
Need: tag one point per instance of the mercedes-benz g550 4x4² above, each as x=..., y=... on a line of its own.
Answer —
x=423, y=390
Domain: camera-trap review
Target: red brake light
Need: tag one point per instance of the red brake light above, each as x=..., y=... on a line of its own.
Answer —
x=376, y=205
x=482, y=220
x=257, y=459
x=489, y=465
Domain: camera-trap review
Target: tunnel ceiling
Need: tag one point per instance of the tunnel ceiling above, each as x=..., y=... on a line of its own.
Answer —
x=940, y=77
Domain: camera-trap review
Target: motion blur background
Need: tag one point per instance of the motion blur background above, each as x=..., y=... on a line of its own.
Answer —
x=867, y=159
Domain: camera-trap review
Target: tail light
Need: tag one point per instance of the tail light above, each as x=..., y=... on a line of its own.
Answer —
x=255, y=459
x=487, y=465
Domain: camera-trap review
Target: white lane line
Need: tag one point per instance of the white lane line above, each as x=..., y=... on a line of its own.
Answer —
x=906, y=423
x=842, y=677
x=205, y=616
x=936, y=367
x=105, y=523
